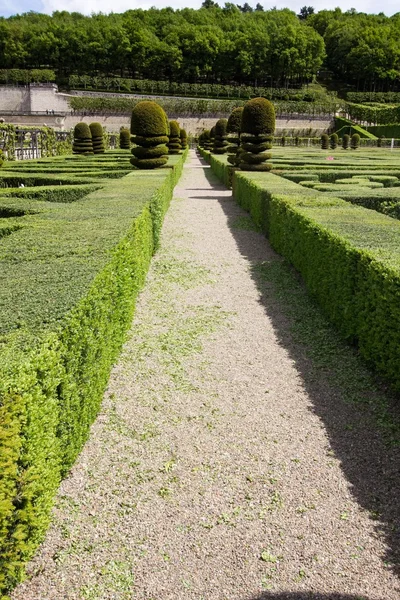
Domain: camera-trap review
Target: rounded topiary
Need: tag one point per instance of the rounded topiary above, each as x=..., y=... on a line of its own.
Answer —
x=125, y=139
x=207, y=144
x=96, y=130
x=1, y=158
x=297, y=141
x=183, y=136
x=257, y=129
x=220, y=138
x=174, y=143
x=82, y=139
x=355, y=141
x=334, y=141
x=324, y=141
x=345, y=141
x=149, y=126
x=148, y=119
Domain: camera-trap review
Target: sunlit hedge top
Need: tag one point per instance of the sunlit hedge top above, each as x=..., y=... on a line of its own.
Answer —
x=258, y=117
x=82, y=131
x=174, y=129
x=148, y=119
x=220, y=127
x=234, y=120
x=96, y=129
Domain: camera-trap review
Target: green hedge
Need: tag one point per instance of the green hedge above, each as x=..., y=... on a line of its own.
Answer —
x=379, y=114
x=386, y=131
x=80, y=266
x=348, y=256
x=344, y=126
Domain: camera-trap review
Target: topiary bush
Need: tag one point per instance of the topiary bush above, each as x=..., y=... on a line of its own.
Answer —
x=297, y=141
x=379, y=142
x=183, y=136
x=355, y=141
x=233, y=133
x=345, y=141
x=207, y=144
x=283, y=141
x=334, y=141
x=1, y=158
x=257, y=130
x=125, y=139
x=220, y=138
x=149, y=127
x=174, y=144
x=324, y=141
x=96, y=129
x=82, y=139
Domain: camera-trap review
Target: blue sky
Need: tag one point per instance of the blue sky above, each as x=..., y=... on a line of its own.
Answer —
x=11, y=7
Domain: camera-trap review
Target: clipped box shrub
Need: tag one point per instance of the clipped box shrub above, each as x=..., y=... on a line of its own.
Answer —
x=345, y=141
x=233, y=135
x=257, y=130
x=334, y=141
x=149, y=127
x=207, y=142
x=82, y=139
x=355, y=141
x=220, y=138
x=212, y=137
x=324, y=141
x=1, y=158
x=96, y=129
x=174, y=143
x=184, y=139
x=125, y=139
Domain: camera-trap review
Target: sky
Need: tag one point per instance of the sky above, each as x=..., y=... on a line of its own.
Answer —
x=12, y=7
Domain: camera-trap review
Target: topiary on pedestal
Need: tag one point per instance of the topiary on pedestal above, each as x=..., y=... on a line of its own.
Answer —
x=257, y=130
x=355, y=141
x=124, y=138
x=96, y=130
x=334, y=141
x=82, y=139
x=183, y=136
x=324, y=141
x=233, y=133
x=220, y=139
x=174, y=144
x=149, y=126
x=345, y=141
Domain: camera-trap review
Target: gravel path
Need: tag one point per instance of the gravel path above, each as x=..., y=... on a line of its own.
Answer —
x=226, y=463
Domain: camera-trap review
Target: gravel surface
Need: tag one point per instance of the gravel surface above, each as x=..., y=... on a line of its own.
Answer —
x=226, y=463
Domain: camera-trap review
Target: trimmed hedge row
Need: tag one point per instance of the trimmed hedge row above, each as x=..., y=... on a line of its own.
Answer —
x=81, y=266
x=348, y=257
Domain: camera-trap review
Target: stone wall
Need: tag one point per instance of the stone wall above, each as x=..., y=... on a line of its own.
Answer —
x=15, y=99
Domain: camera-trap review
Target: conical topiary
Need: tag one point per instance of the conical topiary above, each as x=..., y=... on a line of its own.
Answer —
x=257, y=130
x=220, y=139
x=96, y=130
x=324, y=141
x=124, y=138
x=334, y=141
x=345, y=141
x=149, y=128
x=82, y=139
x=183, y=136
x=355, y=141
x=174, y=144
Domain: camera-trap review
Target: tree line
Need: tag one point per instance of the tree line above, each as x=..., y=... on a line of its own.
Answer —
x=233, y=44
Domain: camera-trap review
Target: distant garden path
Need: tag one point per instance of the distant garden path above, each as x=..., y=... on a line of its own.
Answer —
x=229, y=461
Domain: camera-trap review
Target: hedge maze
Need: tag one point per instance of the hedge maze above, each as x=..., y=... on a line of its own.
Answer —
x=77, y=235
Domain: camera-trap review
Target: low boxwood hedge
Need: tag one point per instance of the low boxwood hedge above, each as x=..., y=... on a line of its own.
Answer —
x=349, y=258
x=80, y=266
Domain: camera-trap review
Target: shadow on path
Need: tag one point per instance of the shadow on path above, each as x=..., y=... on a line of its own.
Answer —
x=304, y=596
x=344, y=393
